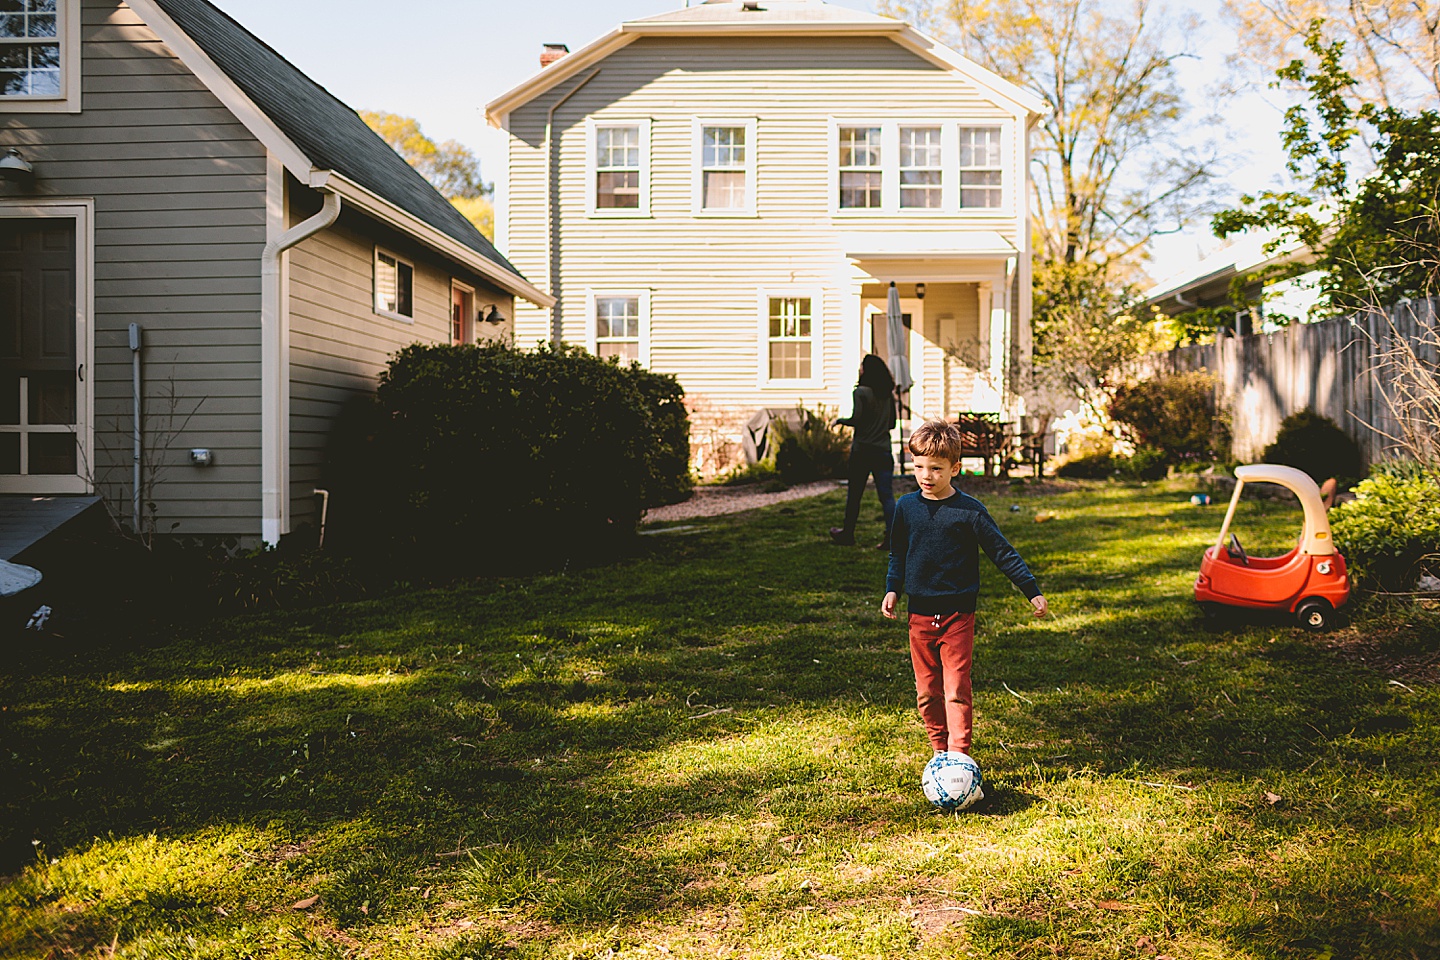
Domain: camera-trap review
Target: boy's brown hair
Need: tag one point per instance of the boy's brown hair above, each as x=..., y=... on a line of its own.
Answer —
x=937, y=438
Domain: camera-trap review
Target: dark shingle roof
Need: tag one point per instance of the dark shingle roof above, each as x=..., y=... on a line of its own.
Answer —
x=330, y=133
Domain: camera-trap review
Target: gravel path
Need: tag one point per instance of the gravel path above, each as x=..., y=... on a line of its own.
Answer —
x=714, y=501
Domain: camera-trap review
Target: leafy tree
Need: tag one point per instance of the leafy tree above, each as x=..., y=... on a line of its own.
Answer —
x=1393, y=45
x=1087, y=329
x=451, y=167
x=1376, y=240
x=1110, y=169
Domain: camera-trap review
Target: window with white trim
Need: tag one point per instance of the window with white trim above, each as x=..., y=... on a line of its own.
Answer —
x=617, y=327
x=922, y=165
x=394, y=286
x=617, y=167
x=617, y=324
x=861, y=170
x=724, y=168
x=982, y=173
x=30, y=48
x=790, y=340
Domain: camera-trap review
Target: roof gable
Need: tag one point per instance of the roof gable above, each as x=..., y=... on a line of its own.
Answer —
x=796, y=18
x=327, y=132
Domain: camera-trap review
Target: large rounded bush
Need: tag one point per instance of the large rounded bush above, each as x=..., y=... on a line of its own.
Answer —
x=1391, y=530
x=495, y=457
x=1175, y=415
x=1316, y=445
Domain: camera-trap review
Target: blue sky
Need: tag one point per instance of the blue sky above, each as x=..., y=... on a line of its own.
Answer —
x=441, y=60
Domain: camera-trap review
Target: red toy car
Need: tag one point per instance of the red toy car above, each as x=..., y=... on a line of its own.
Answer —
x=1310, y=581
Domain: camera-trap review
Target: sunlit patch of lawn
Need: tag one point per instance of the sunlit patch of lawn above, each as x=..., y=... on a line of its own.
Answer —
x=711, y=750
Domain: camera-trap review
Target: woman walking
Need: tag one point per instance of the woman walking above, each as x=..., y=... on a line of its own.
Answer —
x=872, y=417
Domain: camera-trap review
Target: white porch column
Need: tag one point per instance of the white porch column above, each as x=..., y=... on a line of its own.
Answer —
x=1000, y=339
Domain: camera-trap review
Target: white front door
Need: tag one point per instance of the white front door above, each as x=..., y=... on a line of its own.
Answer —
x=45, y=395
x=873, y=339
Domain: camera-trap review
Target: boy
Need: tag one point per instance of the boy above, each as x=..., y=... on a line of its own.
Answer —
x=935, y=559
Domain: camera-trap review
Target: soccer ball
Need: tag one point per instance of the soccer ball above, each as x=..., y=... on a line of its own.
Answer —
x=952, y=781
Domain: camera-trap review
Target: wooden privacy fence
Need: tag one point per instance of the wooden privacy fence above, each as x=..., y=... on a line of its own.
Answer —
x=1335, y=367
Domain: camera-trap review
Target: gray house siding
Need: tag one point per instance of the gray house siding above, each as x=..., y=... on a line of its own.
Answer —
x=179, y=191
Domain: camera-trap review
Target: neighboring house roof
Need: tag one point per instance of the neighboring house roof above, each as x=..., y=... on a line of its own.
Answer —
x=795, y=18
x=322, y=141
x=1207, y=283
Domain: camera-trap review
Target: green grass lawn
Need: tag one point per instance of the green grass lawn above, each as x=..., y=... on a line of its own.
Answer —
x=712, y=751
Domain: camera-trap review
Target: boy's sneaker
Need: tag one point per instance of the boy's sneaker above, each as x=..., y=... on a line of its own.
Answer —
x=841, y=538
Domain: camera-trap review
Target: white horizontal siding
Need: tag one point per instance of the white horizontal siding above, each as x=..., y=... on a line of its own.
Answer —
x=704, y=273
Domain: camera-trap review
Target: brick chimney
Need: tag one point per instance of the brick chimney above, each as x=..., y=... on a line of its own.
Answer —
x=552, y=52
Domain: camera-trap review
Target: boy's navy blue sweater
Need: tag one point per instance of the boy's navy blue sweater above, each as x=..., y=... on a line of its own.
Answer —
x=935, y=553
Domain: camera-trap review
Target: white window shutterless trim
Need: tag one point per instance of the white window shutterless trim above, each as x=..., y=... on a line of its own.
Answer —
x=67, y=38
x=641, y=338
x=617, y=165
x=724, y=163
x=788, y=336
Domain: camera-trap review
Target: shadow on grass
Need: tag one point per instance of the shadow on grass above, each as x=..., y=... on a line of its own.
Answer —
x=556, y=745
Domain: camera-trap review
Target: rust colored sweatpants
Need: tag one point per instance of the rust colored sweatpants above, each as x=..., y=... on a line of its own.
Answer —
x=940, y=651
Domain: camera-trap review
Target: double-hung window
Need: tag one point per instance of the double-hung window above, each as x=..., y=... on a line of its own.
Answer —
x=619, y=325
x=725, y=167
x=982, y=173
x=790, y=328
x=394, y=286
x=861, y=169
x=39, y=55
x=919, y=167
x=922, y=166
x=619, y=153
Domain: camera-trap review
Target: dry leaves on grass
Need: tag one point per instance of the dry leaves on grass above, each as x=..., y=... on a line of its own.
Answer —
x=305, y=904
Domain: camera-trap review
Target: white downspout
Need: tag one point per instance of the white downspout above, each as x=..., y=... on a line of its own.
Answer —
x=275, y=372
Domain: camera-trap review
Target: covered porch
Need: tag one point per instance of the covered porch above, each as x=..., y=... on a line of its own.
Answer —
x=968, y=324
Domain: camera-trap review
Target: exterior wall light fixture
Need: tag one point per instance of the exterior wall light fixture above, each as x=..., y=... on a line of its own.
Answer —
x=15, y=168
x=919, y=291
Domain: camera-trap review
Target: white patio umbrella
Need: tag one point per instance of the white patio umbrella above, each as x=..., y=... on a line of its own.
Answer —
x=897, y=341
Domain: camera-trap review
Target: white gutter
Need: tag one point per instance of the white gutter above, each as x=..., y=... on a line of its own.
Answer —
x=275, y=372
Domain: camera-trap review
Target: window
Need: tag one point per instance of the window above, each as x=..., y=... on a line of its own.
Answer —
x=791, y=326
x=921, y=166
x=981, y=170
x=860, y=168
x=619, y=325
x=394, y=286
x=725, y=167
x=619, y=163
x=39, y=55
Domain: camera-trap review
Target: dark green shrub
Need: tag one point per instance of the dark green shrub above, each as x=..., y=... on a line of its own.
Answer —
x=1091, y=466
x=1310, y=442
x=1174, y=415
x=1147, y=463
x=496, y=457
x=1391, y=530
x=813, y=450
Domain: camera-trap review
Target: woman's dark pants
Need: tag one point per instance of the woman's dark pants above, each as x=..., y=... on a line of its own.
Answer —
x=866, y=462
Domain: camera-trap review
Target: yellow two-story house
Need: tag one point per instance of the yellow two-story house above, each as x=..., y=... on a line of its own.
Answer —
x=725, y=192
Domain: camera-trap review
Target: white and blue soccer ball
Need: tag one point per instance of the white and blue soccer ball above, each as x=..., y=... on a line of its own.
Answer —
x=952, y=781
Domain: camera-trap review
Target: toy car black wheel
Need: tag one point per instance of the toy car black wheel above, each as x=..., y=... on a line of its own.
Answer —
x=1213, y=612
x=1315, y=615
